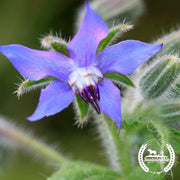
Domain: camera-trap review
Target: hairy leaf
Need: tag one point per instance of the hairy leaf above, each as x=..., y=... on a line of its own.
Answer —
x=81, y=171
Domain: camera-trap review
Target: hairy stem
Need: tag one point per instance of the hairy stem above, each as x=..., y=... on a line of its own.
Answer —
x=116, y=147
x=162, y=131
x=9, y=131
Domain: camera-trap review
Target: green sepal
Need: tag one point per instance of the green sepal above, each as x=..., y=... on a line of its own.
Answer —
x=28, y=85
x=82, y=109
x=55, y=43
x=81, y=170
x=114, y=33
x=121, y=78
x=60, y=47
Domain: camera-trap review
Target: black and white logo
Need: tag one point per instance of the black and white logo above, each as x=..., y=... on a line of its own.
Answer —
x=155, y=157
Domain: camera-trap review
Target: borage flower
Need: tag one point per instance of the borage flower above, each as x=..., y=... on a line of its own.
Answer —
x=82, y=72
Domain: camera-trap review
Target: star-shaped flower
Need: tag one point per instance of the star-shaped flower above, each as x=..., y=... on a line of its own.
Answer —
x=82, y=72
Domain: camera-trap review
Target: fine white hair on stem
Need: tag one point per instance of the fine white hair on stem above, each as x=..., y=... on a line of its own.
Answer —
x=19, y=138
x=107, y=138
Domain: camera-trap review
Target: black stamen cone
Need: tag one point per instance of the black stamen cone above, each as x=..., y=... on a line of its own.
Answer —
x=90, y=95
x=96, y=107
x=84, y=97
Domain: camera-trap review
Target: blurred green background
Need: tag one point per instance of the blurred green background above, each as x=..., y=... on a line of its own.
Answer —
x=24, y=22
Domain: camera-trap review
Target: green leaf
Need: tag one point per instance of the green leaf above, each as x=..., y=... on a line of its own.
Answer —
x=138, y=173
x=82, y=109
x=81, y=171
x=114, y=33
x=121, y=78
x=28, y=85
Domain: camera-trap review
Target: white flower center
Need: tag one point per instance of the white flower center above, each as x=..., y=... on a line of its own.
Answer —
x=82, y=77
x=84, y=81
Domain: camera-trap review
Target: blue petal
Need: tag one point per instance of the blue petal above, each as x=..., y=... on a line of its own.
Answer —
x=83, y=46
x=35, y=64
x=56, y=97
x=110, y=100
x=125, y=56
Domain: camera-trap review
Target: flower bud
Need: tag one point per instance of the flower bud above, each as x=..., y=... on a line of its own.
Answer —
x=171, y=42
x=174, y=91
x=159, y=77
x=114, y=9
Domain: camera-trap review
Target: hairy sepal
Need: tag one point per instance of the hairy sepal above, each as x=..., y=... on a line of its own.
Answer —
x=55, y=43
x=28, y=85
x=82, y=110
x=114, y=33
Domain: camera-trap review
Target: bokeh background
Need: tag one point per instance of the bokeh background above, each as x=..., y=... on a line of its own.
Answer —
x=24, y=22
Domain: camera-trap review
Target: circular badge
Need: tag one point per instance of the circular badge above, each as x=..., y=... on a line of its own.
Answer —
x=155, y=157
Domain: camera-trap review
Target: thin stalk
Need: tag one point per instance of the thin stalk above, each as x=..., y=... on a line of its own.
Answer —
x=163, y=133
x=161, y=130
x=15, y=134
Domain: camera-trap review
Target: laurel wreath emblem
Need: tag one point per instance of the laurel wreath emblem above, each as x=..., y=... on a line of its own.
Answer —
x=169, y=165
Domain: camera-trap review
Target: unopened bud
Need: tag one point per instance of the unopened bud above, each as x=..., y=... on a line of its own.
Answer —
x=174, y=90
x=114, y=9
x=171, y=43
x=159, y=77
